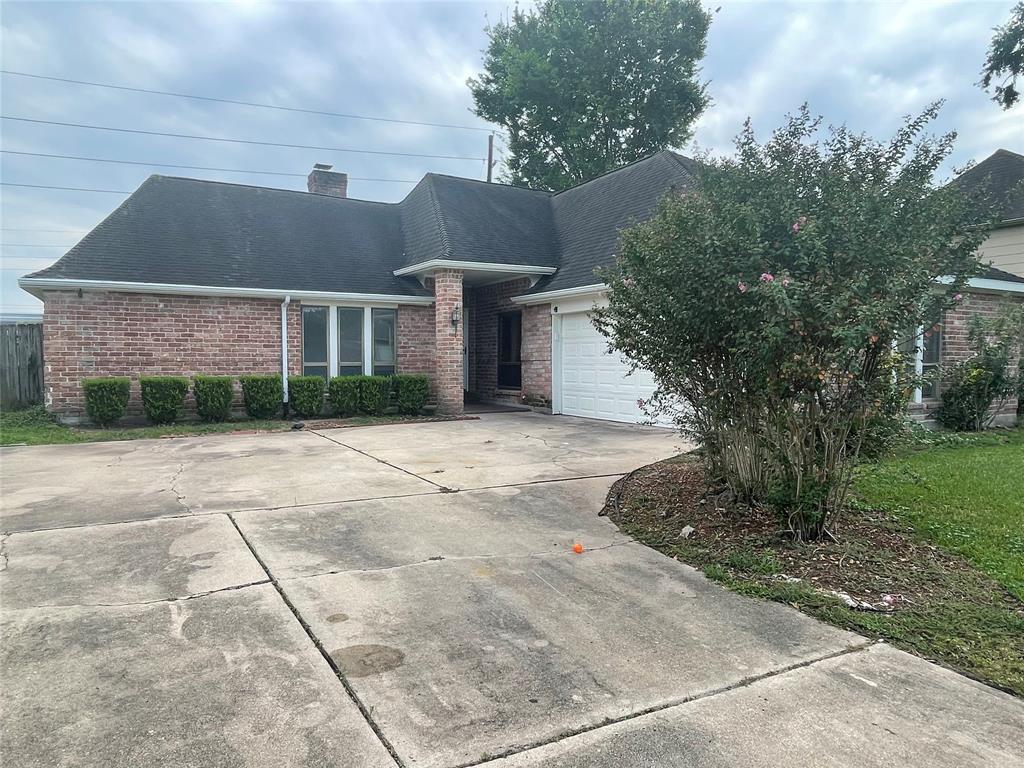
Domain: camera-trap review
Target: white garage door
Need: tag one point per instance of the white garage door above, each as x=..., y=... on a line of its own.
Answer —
x=595, y=384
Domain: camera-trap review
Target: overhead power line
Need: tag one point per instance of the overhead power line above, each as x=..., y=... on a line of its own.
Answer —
x=238, y=141
x=185, y=167
x=237, y=102
x=34, y=229
x=68, y=189
x=34, y=245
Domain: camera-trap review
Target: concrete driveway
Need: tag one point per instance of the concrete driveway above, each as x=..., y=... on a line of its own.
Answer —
x=408, y=595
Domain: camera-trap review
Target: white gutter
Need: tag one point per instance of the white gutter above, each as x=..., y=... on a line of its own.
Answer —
x=36, y=285
x=565, y=293
x=284, y=347
x=474, y=266
x=988, y=284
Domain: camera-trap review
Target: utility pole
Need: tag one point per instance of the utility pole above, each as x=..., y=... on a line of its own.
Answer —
x=491, y=156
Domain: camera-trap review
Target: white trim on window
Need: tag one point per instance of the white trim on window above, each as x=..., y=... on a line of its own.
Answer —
x=918, y=362
x=333, y=363
x=36, y=285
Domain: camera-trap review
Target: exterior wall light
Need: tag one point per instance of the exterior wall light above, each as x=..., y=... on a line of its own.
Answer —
x=456, y=316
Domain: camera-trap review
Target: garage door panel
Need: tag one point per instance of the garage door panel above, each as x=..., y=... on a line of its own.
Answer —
x=597, y=384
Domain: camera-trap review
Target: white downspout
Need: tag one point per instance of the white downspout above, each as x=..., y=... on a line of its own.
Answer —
x=284, y=347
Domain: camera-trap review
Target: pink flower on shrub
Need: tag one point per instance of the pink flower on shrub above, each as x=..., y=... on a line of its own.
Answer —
x=799, y=224
x=742, y=286
x=628, y=282
x=785, y=282
x=767, y=277
x=958, y=297
x=640, y=403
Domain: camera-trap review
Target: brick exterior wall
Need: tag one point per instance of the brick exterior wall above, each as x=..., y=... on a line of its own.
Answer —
x=448, y=380
x=415, y=334
x=485, y=303
x=131, y=334
x=955, y=346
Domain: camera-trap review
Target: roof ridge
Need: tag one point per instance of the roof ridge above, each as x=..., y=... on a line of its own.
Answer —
x=267, y=189
x=613, y=170
x=435, y=207
x=490, y=183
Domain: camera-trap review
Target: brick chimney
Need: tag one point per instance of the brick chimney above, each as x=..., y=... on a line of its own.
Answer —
x=323, y=181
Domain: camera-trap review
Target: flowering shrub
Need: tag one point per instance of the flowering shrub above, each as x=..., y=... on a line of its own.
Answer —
x=766, y=300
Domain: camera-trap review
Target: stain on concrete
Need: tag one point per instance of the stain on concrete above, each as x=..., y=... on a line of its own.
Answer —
x=337, y=618
x=366, y=660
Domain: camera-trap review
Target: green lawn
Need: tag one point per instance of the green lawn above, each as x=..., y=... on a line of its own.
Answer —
x=968, y=498
x=35, y=427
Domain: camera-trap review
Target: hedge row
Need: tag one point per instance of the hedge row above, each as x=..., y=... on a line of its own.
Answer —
x=163, y=397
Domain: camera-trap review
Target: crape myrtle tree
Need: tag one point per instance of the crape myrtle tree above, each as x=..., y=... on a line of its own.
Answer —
x=767, y=299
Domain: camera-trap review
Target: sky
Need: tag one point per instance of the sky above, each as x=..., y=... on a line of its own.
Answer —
x=863, y=64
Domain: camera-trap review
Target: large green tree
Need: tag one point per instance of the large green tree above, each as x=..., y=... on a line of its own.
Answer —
x=1005, y=61
x=583, y=86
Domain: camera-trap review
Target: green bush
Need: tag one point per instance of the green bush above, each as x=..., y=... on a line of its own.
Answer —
x=343, y=394
x=163, y=397
x=106, y=399
x=374, y=394
x=411, y=392
x=306, y=395
x=262, y=394
x=214, y=395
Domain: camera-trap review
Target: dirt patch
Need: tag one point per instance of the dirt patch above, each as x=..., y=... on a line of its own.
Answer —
x=880, y=578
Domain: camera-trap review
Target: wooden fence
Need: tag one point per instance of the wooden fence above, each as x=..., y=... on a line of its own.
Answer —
x=21, y=365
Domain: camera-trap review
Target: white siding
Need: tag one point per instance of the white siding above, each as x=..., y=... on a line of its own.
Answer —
x=1004, y=250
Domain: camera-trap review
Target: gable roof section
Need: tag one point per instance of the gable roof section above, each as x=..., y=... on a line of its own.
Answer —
x=590, y=217
x=188, y=232
x=1003, y=172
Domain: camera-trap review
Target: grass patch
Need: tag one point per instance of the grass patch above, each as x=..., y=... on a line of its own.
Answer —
x=968, y=497
x=932, y=545
x=34, y=426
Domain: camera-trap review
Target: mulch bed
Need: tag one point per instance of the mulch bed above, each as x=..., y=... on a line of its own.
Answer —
x=878, y=562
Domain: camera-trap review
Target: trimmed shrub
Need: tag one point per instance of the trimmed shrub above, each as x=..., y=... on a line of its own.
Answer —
x=306, y=395
x=262, y=394
x=163, y=397
x=374, y=394
x=214, y=395
x=106, y=399
x=343, y=394
x=411, y=392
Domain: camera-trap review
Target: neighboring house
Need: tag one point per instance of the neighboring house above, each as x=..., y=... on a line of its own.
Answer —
x=485, y=288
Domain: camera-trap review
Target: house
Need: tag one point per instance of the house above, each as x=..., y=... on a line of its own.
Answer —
x=483, y=287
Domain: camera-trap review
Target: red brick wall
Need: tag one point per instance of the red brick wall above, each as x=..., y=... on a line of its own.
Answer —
x=486, y=303
x=448, y=381
x=955, y=326
x=415, y=332
x=130, y=334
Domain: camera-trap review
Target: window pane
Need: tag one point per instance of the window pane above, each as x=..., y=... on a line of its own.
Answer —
x=350, y=370
x=314, y=370
x=314, y=335
x=383, y=338
x=350, y=339
x=383, y=370
x=931, y=344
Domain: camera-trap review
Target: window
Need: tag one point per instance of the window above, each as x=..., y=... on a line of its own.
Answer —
x=510, y=335
x=923, y=352
x=314, y=341
x=383, y=342
x=350, y=341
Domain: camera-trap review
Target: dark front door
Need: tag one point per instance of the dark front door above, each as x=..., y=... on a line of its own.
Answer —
x=510, y=339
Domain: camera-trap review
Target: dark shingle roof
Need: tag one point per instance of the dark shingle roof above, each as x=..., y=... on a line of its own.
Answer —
x=590, y=216
x=188, y=232
x=1003, y=173
x=994, y=273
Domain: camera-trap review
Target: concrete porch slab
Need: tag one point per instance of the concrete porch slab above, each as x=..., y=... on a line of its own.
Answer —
x=509, y=448
x=463, y=659
x=530, y=519
x=125, y=563
x=874, y=708
x=228, y=679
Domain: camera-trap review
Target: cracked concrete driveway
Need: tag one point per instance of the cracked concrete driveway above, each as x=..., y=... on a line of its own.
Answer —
x=407, y=595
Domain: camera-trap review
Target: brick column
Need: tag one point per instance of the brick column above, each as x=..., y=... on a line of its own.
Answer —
x=448, y=340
